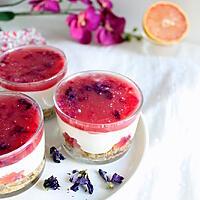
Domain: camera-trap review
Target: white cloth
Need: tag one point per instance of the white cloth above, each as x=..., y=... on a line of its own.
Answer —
x=170, y=80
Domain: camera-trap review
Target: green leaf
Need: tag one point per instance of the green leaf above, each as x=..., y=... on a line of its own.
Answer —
x=7, y=15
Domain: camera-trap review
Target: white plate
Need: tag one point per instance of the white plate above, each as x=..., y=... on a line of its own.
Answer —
x=126, y=166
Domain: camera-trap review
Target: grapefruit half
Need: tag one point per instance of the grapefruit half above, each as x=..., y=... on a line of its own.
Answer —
x=165, y=23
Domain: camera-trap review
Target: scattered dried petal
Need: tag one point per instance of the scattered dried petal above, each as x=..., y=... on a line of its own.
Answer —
x=103, y=174
x=56, y=155
x=81, y=178
x=51, y=183
x=111, y=182
x=117, y=179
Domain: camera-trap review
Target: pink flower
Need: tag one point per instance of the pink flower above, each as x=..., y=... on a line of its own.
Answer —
x=82, y=25
x=112, y=29
x=45, y=5
x=105, y=4
x=88, y=2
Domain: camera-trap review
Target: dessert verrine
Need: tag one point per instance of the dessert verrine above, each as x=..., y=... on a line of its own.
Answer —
x=22, y=143
x=35, y=71
x=97, y=113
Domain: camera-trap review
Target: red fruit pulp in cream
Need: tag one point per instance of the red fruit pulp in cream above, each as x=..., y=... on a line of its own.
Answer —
x=19, y=121
x=98, y=98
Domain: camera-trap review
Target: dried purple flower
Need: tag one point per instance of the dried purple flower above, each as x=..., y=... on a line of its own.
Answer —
x=81, y=179
x=117, y=179
x=90, y=187
x=103, y=174
x=75, y=187
x=51, y=183
x=111, y=182
x=56, y=155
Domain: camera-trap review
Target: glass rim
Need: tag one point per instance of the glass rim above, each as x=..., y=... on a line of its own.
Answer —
x=40, y=126
x=132, y=115
x=18, y=84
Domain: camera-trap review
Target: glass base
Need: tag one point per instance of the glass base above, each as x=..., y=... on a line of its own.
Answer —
x=23, y=184
x=103, y=158
x=49, y=113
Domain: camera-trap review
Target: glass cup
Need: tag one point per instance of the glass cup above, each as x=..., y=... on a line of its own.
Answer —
x=42, y=91
x=92, y=142
x=21, y=167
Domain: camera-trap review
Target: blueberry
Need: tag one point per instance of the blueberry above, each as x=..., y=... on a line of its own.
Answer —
x=25, y=103
x=108, y=94
x=88, y=88
x=19, y=129
x=4, y=146
x=117, y=114
x=70, y=94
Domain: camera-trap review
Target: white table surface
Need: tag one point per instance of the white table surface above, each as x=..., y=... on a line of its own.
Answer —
x=170, y=80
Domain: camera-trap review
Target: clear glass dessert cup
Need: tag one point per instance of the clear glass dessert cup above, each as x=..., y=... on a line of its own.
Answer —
x=21, y=168
x=97, y=143
x=42, y=91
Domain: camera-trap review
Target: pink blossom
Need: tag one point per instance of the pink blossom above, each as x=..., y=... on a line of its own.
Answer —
x=88, y=2
x=105, y=4
x=111, y=30
x=82, y=24
x=45, y=5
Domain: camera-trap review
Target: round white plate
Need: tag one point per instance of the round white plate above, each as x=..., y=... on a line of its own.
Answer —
x=125, y=166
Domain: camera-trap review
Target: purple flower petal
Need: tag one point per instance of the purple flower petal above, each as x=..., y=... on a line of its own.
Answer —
x=51, y=183
x=88, y=2
x=75, y=187
x=81, y=35
x=105, y=37
x=112, y=29
x=90, y=187
x=70, y=18
x=114, y=22
x=45, y=5
x=117, y=179
x=105, y=4
x=92, y=18
x=103, y=174
x=56, y=155
x=80, y=178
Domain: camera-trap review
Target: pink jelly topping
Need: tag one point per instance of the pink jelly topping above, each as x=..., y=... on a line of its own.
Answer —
x=19, y=120
x=31, y=64
x=98, y=98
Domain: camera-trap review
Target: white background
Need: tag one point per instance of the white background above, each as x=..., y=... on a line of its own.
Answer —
x=170, y=80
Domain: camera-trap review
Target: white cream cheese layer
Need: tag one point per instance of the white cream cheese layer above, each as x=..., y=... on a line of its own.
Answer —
x=100, y=142
x=27, y=164
x=43, y=97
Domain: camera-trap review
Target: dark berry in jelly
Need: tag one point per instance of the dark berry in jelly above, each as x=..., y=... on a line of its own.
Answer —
x=27, y=105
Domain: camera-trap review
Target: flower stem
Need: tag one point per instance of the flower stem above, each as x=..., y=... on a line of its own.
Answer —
x=63, y=12
x=12, y=4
